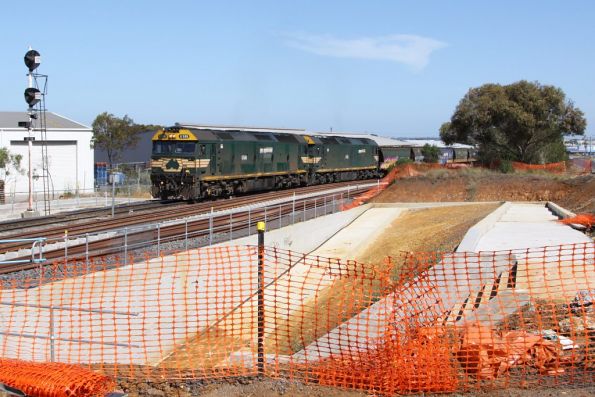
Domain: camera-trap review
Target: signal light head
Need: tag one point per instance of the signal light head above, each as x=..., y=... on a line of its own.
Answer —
x=32, y=60
x=32, y=96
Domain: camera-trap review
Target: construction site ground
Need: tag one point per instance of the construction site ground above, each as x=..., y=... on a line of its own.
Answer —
x=575, y=193
x=431, y=229
x=417, y=230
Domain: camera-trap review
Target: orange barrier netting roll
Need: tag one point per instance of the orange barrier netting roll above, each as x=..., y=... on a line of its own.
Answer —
x=418, y=322
x=53, y=379
x=586, y=220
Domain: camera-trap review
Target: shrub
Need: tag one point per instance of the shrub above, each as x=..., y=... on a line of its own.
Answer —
x=506, y=167
x=431, y=153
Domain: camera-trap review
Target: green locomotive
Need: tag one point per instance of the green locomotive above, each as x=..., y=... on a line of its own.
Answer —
x=193, y=164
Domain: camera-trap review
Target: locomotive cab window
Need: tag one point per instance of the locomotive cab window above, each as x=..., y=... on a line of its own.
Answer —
x=170, y=147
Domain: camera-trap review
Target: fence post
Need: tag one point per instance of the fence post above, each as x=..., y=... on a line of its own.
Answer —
x=66, y=246
x=211, y=228
x=52, y=336
x=249, y=220
x=293, y=209
x=260, y=227
x=113, y=194
x=158, y=239
x=304, y=220
x=230, y=226
x=265, y=214
x=315, y=207
x=126, y=246
x=325, y=211
x=186, y=234
x=86, y=252
x=280, y=216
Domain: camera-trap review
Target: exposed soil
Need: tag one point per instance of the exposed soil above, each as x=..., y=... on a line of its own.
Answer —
x=426, y=230
x=574, y=193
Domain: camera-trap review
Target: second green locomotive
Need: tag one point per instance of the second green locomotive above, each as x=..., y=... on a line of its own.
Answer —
x=194, y=164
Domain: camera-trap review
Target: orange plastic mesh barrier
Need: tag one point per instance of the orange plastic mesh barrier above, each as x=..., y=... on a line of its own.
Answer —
x=421, y=363
x=551, y=167
x=586, y=220
x=417, y=322
x=53, y=379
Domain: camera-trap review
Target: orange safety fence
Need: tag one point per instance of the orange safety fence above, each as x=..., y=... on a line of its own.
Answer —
x=551, y=167
x=53, y=379
x=418, y=322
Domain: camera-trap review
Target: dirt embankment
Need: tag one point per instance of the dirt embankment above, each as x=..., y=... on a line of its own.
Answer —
x=439, y=229
x=574, y=193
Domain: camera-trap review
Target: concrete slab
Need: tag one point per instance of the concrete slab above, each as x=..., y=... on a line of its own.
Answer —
x=304, y=237
x=359, y=234
x=525, y=226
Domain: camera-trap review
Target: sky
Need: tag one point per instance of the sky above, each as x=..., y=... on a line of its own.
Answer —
x=394, y=68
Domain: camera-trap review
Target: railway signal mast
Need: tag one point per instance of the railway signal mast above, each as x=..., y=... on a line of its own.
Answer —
x=35, y=98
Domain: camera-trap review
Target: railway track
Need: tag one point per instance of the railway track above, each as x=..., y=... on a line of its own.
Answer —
x=194, y=227
x=6, y=227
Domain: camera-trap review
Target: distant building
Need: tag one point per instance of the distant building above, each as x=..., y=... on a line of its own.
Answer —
x=70, y=156
x=138, y=154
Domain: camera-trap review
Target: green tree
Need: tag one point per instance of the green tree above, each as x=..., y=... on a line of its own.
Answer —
x=114, y=134
x=431, y=153
x=9, y=160
x=524, y=121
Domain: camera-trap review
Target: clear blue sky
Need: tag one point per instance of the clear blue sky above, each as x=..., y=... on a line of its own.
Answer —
x=397, y=68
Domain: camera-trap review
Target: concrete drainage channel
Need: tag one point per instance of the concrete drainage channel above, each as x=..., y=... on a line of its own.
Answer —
x=148, y=240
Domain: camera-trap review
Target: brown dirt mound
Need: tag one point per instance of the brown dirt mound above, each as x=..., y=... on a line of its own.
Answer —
x=574, y=193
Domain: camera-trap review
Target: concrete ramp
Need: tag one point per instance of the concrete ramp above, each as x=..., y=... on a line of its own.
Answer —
x=524, y=226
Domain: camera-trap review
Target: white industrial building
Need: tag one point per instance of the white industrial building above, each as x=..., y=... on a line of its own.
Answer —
x=70, y=156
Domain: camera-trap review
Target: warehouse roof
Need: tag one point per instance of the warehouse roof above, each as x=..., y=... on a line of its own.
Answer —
x=380, y=140
x=241, y=128
x=435, y=142
x=10, y=120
